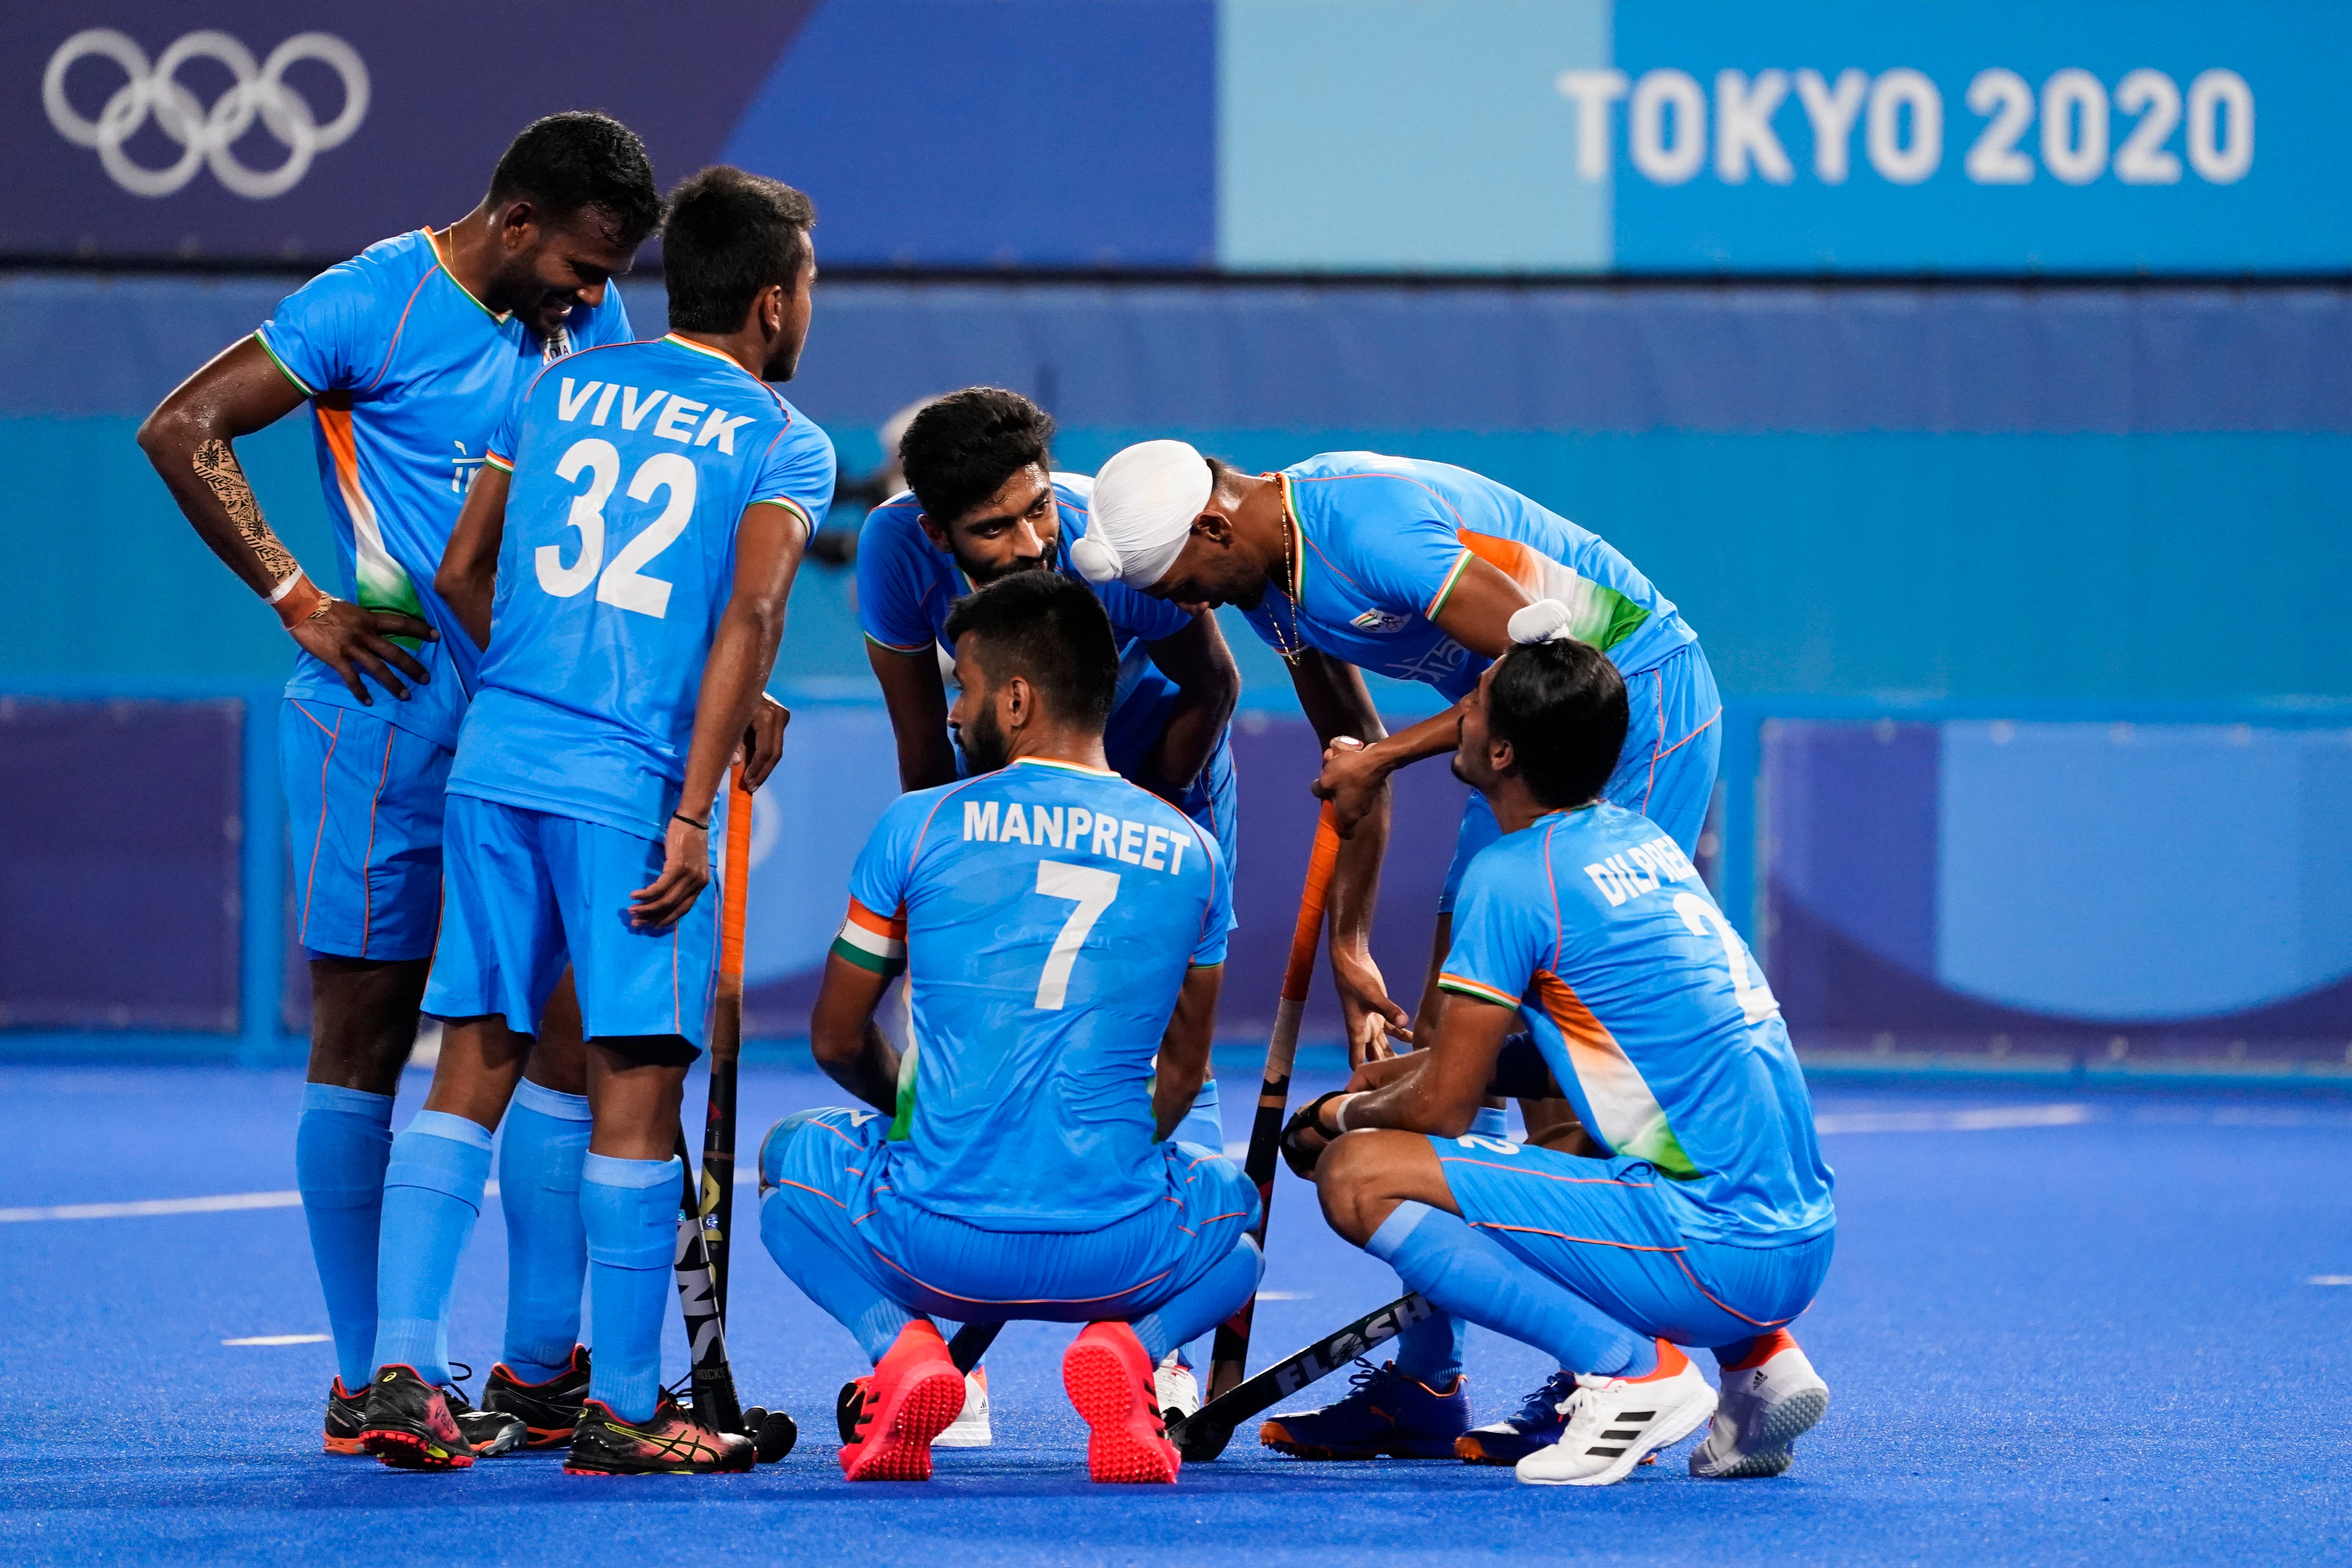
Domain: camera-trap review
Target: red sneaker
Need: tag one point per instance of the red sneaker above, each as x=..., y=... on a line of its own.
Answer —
x=1108, y=1374
x=912, y=1398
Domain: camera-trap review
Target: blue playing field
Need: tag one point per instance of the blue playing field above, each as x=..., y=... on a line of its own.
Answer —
x=2103, y=1329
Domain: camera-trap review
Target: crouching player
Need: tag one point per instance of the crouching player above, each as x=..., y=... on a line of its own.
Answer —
x=1058, y=925
x=1707, y=1223
x=643, y=550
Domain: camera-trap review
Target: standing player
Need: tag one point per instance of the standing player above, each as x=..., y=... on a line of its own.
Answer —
x=1057, y=926
x=408, y=353
x=1706, y=1221
x=983, y=500
x=643, y=514
x=1416, y=571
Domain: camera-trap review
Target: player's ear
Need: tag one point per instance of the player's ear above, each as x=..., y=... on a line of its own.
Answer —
x=1214, y=526
x=518, y=224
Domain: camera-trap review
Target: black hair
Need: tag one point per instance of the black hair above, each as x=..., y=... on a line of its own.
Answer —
x=1051, y=632
x=581, y=159
x=731, y=235
x=960, y=449
x=1562, y=705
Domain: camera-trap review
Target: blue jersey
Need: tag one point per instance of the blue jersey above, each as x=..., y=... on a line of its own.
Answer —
x=631, y=466
x=1654, y=1015
x=1383, y=540
x=1047, y=915
x=408, y=375
x=907, y=584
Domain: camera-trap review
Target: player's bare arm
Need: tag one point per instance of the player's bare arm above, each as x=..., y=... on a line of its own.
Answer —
x=846, y=1041
x=768, y=544
x=1208, y=685
x=190, y=438
x=1477, y=615
x=1340, y=706
x=918, y=700
x=468, y=578
x=1184, y=1049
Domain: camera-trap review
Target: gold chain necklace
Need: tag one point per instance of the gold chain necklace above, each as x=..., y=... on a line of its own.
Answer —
x=1291, y=653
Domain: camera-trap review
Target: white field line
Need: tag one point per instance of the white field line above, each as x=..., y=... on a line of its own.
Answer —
x=1992, y=1119
x=2329, y=1279
x=281, y=1340
x=223, y=1202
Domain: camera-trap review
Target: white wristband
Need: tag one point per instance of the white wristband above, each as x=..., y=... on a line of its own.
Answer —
x=285, y=587
x=1339, y=1109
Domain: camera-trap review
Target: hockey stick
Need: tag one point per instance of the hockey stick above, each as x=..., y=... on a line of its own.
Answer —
x=1203, y=1433
x=1230, y=1357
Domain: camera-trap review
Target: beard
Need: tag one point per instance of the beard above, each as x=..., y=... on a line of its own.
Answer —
x=981, y=575
x=982, y=743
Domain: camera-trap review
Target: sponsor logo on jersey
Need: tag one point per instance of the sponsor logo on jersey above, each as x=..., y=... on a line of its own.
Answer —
x=1380, y=623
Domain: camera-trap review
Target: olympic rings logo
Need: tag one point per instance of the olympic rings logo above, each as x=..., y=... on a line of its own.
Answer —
x=206, y=136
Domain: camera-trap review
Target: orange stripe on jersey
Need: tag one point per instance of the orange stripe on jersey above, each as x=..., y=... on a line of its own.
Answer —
x=1514, y=560
x=1582, y=1031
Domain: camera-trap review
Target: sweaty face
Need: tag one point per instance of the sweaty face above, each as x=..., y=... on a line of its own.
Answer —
x=1017, y=530
x=553, y=267
x=1208, y=572
x=973, y=720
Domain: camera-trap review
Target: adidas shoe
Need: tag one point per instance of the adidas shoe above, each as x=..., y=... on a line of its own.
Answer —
x=346, y=1419
x=1174, y=1388
x=969, y=1429
x=1108, y=1374
x=1768, y=1401
x=548, y=1411
x=1384, y=1412
x=667, y=1443
x=1537, y=1425
x=913, y=1395
x=1615, y=1423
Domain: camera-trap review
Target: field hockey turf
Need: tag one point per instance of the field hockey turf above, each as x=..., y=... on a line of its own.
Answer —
x=2086, y=1330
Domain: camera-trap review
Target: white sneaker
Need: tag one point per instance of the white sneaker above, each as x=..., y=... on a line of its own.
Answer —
x=1615, y=1423
x=1174, y=1388
x=971, y=1428
x=1764, y=1408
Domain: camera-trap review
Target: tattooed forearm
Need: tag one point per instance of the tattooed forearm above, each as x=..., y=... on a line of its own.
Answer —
x=217, y=467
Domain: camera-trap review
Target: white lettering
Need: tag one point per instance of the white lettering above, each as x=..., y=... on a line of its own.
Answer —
x=632, y=412
x=1833, y=110
x=1994, y=159
x=1594, y=92
x=1602, y=878
x=1017, y=824
x=979, y=821
x=1130, y=843
x=677, y=420
x=2156, y=98
x=2074, y=126
x=1049, y=826
x=568, y=403
x=1743, y=127
x=1897, y=162
x=2213, y=94
x=1155, y=843
x=605, y=403
x=720, y=428
x=1176, y=843
x=1081, y=819
x=1106, y=842
x=1662, y=162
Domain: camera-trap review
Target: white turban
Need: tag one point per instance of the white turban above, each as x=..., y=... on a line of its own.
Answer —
x=1546, y=620
x=1144, y=503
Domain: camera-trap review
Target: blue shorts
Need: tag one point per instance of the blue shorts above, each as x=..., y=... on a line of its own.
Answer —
x=832, y=1167
x=1666, y=772
x=1602, y=1228
x=363, y=803
x=531, y=892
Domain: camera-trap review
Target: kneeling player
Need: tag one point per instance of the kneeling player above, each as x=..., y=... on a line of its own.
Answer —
x=1058, y=926
x=1709, y=1222
x=642, y=564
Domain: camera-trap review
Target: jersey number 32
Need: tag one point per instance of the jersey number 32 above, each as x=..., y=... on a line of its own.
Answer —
x=624, y=583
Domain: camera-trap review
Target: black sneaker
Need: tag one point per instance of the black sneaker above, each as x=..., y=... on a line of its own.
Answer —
x=412, y=1426
x=670, y=1443
x=346, y=1419
x=549, y=1410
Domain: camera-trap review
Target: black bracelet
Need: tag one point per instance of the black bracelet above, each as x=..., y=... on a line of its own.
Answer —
x=681, y=817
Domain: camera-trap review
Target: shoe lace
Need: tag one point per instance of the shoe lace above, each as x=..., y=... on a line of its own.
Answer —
x=1545, y=1406
x=1362, y=1387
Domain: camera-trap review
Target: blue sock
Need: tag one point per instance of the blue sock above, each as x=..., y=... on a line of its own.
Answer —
x=431, y=1195
x=826, y=1278
x=1472, y=1276
x=1204, y=1124
x=340, y=1145
x=539, y=1152
x=629, y=1209
x=1489, y=1123
x=1204, y=1303
x=1431, y=1350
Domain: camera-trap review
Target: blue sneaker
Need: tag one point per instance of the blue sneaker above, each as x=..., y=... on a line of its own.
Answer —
x=1537, y=1425
x=1384, y=1412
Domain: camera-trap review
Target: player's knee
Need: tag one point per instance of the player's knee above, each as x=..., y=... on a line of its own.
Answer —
x=1347, y=1178
x=778, y=1143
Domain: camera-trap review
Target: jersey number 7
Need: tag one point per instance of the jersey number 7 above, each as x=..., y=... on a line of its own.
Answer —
x=1094, y=889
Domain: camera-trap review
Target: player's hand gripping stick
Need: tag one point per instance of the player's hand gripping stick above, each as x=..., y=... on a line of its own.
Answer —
x=1230, y=1359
